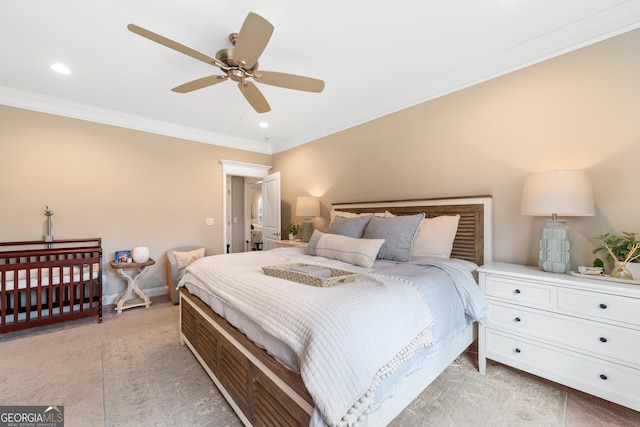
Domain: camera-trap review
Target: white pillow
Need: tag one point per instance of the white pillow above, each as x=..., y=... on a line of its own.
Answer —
x=183, y=259
x=345, y=214
x=361, y=252
x=435, y=236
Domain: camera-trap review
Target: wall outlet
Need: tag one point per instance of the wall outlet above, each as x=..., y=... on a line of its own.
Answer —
x=208, y=221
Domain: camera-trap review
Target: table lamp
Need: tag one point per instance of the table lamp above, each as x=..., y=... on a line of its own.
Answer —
x=307, y=207
x=557, y=193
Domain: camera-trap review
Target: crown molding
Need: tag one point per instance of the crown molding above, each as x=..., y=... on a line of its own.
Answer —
x=612, y=22
x=60, y=107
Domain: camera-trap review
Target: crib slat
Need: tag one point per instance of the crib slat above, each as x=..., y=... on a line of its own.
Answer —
x=3, y=299
x=16, y=297
x=39, y=292
x=27, y=294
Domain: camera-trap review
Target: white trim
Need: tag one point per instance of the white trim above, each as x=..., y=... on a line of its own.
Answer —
x=616, y=20
x=233, y=168
x=150, y=292
x=76, y=110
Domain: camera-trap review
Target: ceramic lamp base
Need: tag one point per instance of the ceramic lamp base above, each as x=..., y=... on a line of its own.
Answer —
x=555, y=247
x=306, y=230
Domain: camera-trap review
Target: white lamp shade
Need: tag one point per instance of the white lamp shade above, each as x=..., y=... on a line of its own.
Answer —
x=560, y=192
x=307, y=206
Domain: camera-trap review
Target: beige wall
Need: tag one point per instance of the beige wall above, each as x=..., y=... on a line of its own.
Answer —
x=581, y=110
x=130, y=188
x=577, y=111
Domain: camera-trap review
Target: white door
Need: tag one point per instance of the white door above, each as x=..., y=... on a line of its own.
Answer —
x=271, y=210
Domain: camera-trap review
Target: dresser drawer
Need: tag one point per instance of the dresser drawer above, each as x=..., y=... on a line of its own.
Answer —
x=521, y=291
x=591, y=338
x=613, y=382
x=599, y=305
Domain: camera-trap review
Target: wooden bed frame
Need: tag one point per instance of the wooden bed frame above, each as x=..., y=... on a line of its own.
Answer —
x=263, y=392
x=39, y=302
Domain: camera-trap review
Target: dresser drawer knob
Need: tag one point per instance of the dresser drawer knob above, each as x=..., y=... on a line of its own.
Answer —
x=517, y=319
x=517, y=350
x=517, y=291
x=603, y=377
x=603, y=306
x=603, y=339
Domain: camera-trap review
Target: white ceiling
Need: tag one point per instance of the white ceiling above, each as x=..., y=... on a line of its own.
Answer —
x=376, y=57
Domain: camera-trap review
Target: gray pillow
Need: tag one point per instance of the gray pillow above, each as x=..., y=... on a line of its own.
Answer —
x=398, y=234
x=351, y=227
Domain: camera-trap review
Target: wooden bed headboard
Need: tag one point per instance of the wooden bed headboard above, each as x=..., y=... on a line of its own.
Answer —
x=473, y=240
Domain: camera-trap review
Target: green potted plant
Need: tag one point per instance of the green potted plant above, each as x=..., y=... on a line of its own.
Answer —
x=292, y=229
x=623, y=250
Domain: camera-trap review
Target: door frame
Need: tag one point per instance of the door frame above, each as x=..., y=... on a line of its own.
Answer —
x=233, y=168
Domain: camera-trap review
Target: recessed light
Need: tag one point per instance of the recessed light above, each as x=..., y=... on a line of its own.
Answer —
x=60, y=68
x=263, y=124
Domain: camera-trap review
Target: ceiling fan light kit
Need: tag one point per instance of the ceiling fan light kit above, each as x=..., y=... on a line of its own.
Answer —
x=239, y=63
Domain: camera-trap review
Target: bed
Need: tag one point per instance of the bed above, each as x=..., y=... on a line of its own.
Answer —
x=291, y=365
x=49, y=282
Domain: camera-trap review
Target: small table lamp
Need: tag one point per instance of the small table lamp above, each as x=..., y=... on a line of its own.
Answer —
x=307, y=207
x=553, y=193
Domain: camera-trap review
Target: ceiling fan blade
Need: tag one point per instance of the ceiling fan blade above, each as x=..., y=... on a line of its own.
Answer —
x=254, y=96
x=199, y=84
x=174, y=45
x=290, y=81
x=252, y=39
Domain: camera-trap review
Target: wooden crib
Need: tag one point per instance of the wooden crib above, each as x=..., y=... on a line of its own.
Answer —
x=49, y=282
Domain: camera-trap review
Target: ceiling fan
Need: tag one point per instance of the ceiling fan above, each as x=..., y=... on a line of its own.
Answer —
x=239, y=63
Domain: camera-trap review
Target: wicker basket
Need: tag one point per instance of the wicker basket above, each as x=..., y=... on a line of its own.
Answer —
x=284, y=271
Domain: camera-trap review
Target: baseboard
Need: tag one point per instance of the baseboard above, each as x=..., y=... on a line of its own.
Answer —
x=150, y=292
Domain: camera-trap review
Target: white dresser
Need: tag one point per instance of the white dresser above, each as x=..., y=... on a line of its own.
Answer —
x=580, y=332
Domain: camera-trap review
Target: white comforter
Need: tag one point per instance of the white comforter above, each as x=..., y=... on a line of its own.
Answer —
x=378, y=321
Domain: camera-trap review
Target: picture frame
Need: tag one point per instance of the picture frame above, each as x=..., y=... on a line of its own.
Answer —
x=122, y=256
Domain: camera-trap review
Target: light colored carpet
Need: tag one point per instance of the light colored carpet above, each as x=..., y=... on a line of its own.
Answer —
x=132, y=371
x=154, y=381
x=460, y=396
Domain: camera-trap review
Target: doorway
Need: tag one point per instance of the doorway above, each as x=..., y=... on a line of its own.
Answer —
x=238, y=181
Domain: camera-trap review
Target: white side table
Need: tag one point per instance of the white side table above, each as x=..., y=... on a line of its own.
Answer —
x=132, y=284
